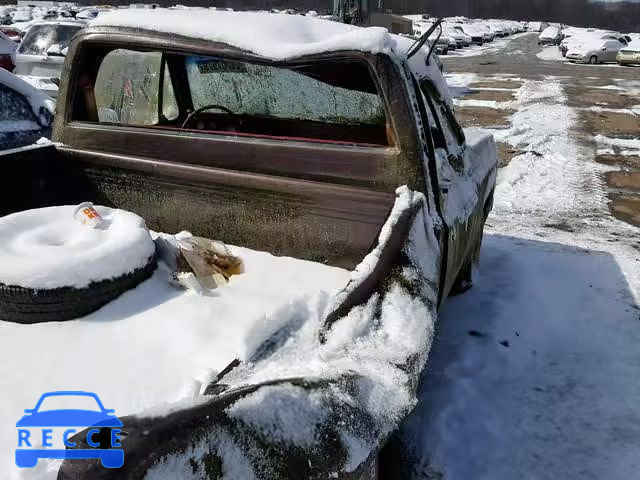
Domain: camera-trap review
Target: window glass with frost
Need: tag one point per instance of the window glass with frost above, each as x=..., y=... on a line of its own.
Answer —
x=270, y=91
x=126, y=88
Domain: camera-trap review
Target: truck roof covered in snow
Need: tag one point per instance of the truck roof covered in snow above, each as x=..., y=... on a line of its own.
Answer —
x=277, y=37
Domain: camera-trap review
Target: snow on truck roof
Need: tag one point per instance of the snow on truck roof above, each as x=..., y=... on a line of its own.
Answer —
x=273, y=36
x=277, y=37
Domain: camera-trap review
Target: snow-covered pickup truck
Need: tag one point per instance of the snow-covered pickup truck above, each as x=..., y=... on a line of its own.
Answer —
x=332, y=147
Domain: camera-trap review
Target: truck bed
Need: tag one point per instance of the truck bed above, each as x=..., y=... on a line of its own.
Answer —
x=158, y=342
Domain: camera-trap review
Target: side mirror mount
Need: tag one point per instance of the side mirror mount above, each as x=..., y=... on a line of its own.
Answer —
x=28, y=410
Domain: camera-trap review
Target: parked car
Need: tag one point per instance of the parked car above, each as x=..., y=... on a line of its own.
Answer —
x=594, y=51
x=499, y=29
x=26, y=114
x=348, y=155
x=537, y=26
x=7, y=50
x=40, y=56
x=550, y=36
x=444, y=43
x=629, y=55
x=21, y=15
x=462, y=39
x=5, y=14
x=487, y=34
x=12, y=33
x=576, y=38
x=477, y=36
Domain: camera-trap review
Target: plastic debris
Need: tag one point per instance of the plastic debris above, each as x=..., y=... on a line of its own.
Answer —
x=197, y=263
x=87, y=215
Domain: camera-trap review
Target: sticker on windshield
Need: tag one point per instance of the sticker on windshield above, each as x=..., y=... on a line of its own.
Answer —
x=50, y=430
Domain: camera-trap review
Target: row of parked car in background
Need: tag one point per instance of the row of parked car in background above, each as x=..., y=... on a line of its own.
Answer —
x=590, y=45
x=461, y=32
x=34, y=41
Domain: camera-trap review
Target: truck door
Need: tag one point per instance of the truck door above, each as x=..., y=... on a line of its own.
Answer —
x=458, y=198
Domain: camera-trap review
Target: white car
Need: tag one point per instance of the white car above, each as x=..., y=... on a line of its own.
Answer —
x=595, y=51
x=577, y=37
x=550, y=36
x=487, y=34
x=26, y=114
x=40, y=56
x=21, y=15
x=477, y=36
x=461, y=38
x=629, y=55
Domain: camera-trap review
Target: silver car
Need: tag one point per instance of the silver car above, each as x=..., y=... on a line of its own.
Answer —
x=40, y=56
x=595, y=52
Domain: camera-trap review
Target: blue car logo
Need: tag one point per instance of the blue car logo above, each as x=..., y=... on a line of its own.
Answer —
x=36, y=418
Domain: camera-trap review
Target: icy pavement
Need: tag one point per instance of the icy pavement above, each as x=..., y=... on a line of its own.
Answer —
x=534, y=371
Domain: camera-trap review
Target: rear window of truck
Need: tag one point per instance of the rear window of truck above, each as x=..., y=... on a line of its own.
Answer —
x=328, y=100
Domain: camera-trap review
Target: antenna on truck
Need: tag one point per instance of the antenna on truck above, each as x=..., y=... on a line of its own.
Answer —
x=423, y=39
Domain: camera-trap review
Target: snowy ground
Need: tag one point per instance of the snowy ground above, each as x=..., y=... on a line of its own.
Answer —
x=534, y=371
x=551, y=53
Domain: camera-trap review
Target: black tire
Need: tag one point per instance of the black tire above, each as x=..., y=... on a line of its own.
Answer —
x=593, y=60
x=27, y=306
x=464, y=280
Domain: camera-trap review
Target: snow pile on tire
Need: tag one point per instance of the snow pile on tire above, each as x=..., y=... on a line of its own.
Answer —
x=46, y=248
x=52, y=268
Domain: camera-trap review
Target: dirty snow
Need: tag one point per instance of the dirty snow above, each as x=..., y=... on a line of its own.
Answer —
x=620, y=146
x=47, y=248
x=483, y=103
